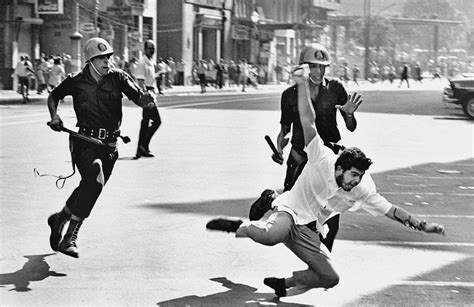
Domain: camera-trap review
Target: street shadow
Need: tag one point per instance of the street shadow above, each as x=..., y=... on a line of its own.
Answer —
x=131, y=158
x=361, y=226
x=237, y=295
x=35, y=269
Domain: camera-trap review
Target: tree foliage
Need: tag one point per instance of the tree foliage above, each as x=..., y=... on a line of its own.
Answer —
x=450, y=36
x=382, y=32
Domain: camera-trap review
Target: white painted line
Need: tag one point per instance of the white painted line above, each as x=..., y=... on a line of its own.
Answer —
x=435, y=283
x=426, y=193
x=405, y=243
x=428, y=177
x=212, y=102
x=430, y=215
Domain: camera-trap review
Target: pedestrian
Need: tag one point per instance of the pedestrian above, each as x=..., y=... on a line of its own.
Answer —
x=56, y=74
x=162, y=70
x=278, y=71
x=151, y=121
x=404, y=74
x=355, y=74
x=244, y=73
x=345, y=74
x=232, y=72
x=200, y=67
x=180, y=66
x=329, y=183
x=326, y=96
x=220, y=73
x=418, y=73
x=97, y=99
x=23, y=71
x=40, y=78
x=171, y=72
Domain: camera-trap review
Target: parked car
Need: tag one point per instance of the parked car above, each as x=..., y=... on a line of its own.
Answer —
x=461, y=92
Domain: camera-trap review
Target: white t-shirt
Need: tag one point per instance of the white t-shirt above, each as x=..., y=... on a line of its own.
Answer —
x=145, y=70
x=316, y=195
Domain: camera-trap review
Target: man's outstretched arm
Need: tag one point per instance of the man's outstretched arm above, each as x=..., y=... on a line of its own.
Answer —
x=305, y=109
x=401, y=215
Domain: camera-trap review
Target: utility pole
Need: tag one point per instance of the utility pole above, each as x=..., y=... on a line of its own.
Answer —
x=223, y=20
x=367, y=38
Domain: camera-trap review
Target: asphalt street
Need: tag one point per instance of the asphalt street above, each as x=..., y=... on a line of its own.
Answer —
x=146, y=243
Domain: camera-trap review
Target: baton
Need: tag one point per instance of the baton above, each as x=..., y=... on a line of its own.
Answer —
x=273, y=148
x=85, y=138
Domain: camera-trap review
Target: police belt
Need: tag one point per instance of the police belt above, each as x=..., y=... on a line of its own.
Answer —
x=100, y=133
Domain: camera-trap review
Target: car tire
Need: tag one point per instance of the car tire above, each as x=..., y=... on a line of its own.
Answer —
x=468, y=107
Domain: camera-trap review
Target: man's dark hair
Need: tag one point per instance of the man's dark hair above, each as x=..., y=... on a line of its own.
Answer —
x=353, y=157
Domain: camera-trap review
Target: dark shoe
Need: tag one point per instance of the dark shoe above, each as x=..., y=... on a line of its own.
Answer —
x=68, y=245
x=224, y=225
x=277, y=284
x=56, y=222
x=141, y=152
x=147, y=154
x=262, y=204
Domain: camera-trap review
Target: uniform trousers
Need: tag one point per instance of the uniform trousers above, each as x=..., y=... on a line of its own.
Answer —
x=94, y=174
x=301, y=240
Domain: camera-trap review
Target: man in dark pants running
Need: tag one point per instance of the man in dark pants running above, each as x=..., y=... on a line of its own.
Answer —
x=97, y=100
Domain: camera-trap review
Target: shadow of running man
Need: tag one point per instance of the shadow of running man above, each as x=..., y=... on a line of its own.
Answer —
x=238, y=295
x=35, y=269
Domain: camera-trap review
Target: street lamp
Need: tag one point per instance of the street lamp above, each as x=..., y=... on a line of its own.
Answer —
x=253, y=50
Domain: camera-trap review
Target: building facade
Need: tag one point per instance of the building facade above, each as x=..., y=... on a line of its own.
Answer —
x=263, y=32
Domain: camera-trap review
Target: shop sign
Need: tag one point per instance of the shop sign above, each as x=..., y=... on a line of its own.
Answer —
x=49, y=7
x=240, y=32
x=87, y=27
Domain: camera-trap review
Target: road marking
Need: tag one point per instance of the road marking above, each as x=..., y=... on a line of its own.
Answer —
x=426, y=193
x=213, y=102
x=435, y=283
x=406, y=243
x=427, y=177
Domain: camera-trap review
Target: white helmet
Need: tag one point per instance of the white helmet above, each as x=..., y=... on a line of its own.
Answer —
x=317, y=54
x=96, y=46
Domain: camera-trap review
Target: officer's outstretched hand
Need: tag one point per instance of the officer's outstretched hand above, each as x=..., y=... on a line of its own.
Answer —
x=56, y=123
x=353, y=102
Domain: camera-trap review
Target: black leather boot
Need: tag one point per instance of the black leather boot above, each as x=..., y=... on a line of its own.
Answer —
x=68, y=245
x=56, y=222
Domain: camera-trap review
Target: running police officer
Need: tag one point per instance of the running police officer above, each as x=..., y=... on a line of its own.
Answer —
x=97, y=100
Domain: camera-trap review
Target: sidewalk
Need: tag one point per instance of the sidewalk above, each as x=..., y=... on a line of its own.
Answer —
x=11, y=97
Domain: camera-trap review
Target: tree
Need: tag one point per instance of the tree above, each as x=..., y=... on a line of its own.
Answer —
x=450, y=36
x=382, y=32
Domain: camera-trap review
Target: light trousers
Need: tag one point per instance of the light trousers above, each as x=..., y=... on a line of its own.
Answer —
x=301, y=240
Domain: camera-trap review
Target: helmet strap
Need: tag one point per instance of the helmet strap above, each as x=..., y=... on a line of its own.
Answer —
x=95, y=69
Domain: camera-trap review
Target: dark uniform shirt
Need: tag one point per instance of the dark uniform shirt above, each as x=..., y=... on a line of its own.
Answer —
x=331, y=93
x=98, y=104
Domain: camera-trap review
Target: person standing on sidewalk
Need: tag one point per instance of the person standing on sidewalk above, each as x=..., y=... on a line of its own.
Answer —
x=328, y=183
x=151, y=121
x=97, y=100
